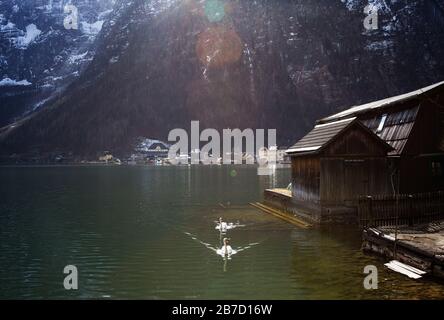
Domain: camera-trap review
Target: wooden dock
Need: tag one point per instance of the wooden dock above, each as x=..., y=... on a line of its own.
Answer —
x=281, y=215
x=280, y=191
x=421, y=247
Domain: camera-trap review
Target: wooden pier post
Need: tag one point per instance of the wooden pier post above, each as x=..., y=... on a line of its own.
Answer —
x=370, y=218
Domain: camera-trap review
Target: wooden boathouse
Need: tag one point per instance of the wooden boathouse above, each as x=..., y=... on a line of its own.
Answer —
x=333, y=163
x=380, y=149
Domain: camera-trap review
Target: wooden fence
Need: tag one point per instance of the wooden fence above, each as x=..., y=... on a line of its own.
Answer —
x=404, y=209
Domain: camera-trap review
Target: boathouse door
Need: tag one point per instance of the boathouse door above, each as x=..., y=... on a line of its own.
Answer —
x=356, y=179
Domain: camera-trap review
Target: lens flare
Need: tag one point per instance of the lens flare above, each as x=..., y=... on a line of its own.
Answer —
x=218, y=46
x=214, y=10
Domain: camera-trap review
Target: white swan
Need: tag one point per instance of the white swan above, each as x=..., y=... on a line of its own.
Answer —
x=223, y=226
x=226, y=251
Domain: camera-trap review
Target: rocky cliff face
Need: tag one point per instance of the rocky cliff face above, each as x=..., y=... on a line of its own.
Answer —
x=262, y=64
x=39, y=56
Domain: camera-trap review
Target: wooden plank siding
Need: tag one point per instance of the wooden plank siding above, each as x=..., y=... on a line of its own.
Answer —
x=425, y=135
x=418, y=175
x=355, y=142
x=422, y=152
x=344, y=179
x=306, y=178
x=353, y=164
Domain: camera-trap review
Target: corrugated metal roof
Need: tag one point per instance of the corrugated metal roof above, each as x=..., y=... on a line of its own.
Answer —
x=380, y=103
x=320, y=136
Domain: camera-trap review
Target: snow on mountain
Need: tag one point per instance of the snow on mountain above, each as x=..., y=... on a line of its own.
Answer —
x=77, y=57
x=149, y=66
x=31, y=33
x=92, y=28
x=10, y=82
x=35, y=45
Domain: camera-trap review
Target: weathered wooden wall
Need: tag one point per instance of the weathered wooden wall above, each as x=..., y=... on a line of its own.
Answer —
x=418, y=175
x=355, y=142
x=354, y=164
x=425, y=137
x=344, y=179
x=305, y=178
x=422, y=150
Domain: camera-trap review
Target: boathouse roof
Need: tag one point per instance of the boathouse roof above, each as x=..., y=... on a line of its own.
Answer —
x=387, y=102
x=323, y=134
x=392, y=119
x=394, y=128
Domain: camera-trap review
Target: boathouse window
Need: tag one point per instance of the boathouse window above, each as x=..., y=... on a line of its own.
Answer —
x=381, y=123
x=436, y=169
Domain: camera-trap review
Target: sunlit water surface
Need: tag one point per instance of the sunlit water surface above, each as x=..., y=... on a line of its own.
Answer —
x=146, y=232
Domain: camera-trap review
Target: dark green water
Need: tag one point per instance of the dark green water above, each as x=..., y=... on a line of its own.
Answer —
x=124, y=228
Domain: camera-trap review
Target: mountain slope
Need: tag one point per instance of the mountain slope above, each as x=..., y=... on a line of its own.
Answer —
x=38, y=55
x=260, y=64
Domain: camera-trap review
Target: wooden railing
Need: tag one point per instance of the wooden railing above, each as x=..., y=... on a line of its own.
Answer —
x=403, y=209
